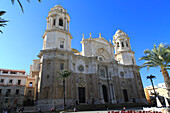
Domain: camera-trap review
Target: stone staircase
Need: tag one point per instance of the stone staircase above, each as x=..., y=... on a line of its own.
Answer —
x=91, y=107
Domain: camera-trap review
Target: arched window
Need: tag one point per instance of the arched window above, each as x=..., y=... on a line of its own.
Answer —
x=60, y=22
x=61, y=66
x=117, y=44
x=126, y=43
x=102, y=72
x=47, y=76
x=133, y=61
x=54, y=22
x=122, y=44
x=121, y=74
x=61, y=44
x=81, y=68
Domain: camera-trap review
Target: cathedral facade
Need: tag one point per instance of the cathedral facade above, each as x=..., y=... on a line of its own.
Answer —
x=99, y=75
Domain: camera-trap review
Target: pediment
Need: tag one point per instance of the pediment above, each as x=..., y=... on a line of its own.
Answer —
x=102, y=41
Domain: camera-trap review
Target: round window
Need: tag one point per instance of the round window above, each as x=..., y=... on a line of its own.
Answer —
x=121, y=74
x=100, y=58
x=81, y=68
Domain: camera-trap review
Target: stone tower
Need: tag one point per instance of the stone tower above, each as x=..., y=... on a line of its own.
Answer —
x=57, y=34
x=123, y=52
x=53, y=56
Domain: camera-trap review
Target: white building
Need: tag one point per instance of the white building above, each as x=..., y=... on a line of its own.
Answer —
x=98, y=74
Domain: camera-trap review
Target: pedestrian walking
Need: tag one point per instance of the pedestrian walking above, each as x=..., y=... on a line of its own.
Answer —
x=124, y=108
x=21, y=110
x=39, y=109
x=5, y=110
x=52, y=109
x=74, y=109
x=16, y=107
x=9, y=109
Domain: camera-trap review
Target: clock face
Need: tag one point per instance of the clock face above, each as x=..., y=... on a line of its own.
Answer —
x=81, y=68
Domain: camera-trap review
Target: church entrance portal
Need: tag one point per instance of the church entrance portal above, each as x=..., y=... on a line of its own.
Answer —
x=125, y=95
x=81, y=95
x=105, y=95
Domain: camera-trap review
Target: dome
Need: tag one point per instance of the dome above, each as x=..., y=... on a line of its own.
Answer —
x=120, y=33
x=58, y=7
x=74, y=50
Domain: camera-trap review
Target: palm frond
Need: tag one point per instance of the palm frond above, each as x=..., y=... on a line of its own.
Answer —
x=20, y=6
x=3, y=25
x=12, y=1
x=64, y=74
x=158, y=56
x=2, y=13
x=2, y=21
x=150, y=77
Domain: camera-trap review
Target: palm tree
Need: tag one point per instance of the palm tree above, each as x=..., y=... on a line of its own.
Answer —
x=152, y=77
x=2, y=21
x=158, y=57
x=21, y=4
x=63, y=75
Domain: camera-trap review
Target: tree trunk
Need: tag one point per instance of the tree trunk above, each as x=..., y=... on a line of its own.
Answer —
x=64, y=92
x=153, y=88
x=167, y=80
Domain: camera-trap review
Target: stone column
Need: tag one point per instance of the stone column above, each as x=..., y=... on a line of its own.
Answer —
x=68, y=25
x=101, y=93
x=111, y=93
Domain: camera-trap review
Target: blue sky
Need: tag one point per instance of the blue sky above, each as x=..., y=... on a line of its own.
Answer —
x=147, y=22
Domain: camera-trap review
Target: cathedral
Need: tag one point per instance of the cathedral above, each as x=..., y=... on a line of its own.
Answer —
x=104, y=72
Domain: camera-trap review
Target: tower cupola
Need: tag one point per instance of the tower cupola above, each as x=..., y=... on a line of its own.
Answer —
x=58, y=17
x=57, y=34
x=123, y=51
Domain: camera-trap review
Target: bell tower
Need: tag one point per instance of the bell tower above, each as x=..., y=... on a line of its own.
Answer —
x=123, y=52
x=57, y=33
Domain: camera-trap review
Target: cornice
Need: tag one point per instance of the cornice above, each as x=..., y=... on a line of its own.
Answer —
x=116, y=37
x=18, y=76
x=124, y=52
x=12, y=85
x=57, y=29
x=94, y=40
x=68, y=52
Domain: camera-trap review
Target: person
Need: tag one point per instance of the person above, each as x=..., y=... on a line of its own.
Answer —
x=5, y=110
x=77, y=102
x=9, y=109
x=124, y=108
x=39, y=109
x=52, y=109
x=74, y=109
x=16, y=107
x=21, y=110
